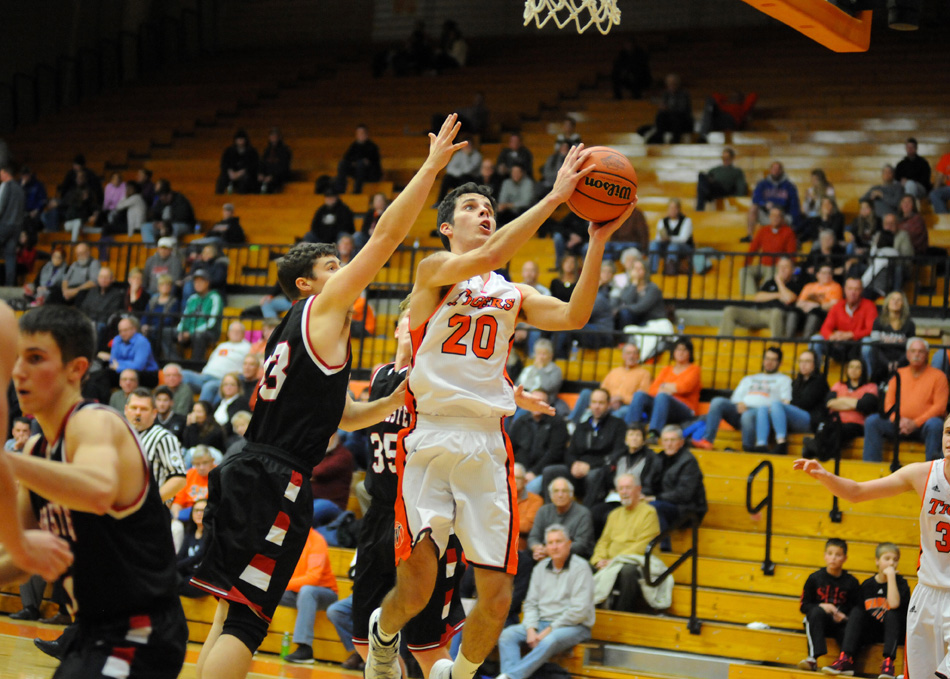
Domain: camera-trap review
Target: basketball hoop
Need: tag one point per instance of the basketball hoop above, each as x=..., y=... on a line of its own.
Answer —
x=603, y=13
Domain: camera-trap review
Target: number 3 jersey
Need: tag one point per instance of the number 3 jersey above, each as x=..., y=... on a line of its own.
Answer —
x=460, y=352
x=933, y=564
x=300, y=398
x=381, y=482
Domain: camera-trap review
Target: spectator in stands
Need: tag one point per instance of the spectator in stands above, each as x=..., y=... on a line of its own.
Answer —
x=939, y=197
x=330, y=481
x=815, y=301
x=642, y=312
x=361, y=161
x=128, y=382
x=49, y=278
x=101, y=303
x=273, y=171
x=80, y=206
x=829, y=218
x=136, y=297
x=165, y=415
x=129, y=212
x=161, y=447
x=201, y=429
x=829, y=595
x=171, y=208
x=675, y=486
x=131, y=350
x=516, y=196
x=912, y=222
x=563, y=509
x=489, y=176
x=621, y=383
x=543, y=374
x=913, y=171
x=515, y=153
x=312, y=588
x=923, y=403
x=113, y=192
x=267, y=329
x=570, y=238
x=558, y=611
x=160, y=320
x=774, y=305
x=853, y=398
x=331, y=220
x=210, y=260
x=20, y=434
x=886, y=196
x=674, y=239
x=81, y=276
x=12, y=215
x=631, y=70
x=726, y=112
x=633, y=233
x=863, y=228
x=251, y=373
x=552, y=165
x=164, y=261
x=775, y=191
x=884, y=350
x=529, y=276
x=192, y=551
x=569, y=271
x=235, y=442
x=227, y=357
x=35, y=199
x=889, y=263
x=638, y=459
x=538, y=440
x=228, y=230
x=819, y=189
x=239, y=167
x=774, y=237
x=748, y=406
x=144, y=178
x=182, y=395
x=377, y=205
x=598, y=331
x=462, y=168
x=674, y=116
x=528, y=505
x=230, y=399
x=804, y=411
x=200, y=324
x=826, y=250
x=674, y=394
x=721, y=181
x=848, y=322
x=627, y=533
x=71, y=179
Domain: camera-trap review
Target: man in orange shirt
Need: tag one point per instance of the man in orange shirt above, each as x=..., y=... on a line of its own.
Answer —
x=196, y=483
x=774, y=237
x=924, y=392
x=940, y=196
x=816, y=299
x=312, y=588
x=621, y=383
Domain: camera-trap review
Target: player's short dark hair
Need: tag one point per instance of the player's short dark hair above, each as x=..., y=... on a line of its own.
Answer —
x=837, y=542
x=71, y=329
x=141, y=392
x=447, y=206
x=298, y=263
x=775, y=349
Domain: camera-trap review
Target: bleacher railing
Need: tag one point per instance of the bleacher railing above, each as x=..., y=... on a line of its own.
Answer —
x=768, y=566
x=691, y=521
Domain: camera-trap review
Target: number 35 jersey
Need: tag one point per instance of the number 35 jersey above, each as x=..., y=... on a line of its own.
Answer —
x=300, y=398
x=381, y=482
x=460, y=352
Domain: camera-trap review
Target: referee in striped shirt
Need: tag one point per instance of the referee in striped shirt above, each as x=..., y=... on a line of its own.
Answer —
x=161, y=447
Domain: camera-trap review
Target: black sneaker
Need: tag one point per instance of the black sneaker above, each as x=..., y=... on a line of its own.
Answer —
x=27, y=613
x=51, y=648
x=780, y=448
x=302, y=656
x=745, y=239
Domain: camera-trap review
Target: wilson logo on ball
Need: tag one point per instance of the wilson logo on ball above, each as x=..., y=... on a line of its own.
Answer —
x=611, y=189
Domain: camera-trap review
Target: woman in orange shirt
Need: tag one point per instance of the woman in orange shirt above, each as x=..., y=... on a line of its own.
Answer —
x=674, y=394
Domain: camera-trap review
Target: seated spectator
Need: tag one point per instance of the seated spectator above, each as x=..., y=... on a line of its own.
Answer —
x=345, y=249
x=558, y=611
x=829, y=218
x=863, y=228
x=642, y=312
x=674, y=394
x=235, y=442
x=132, y=351
x=939, y=197
x=726, y=112
x=230, y=400
x=227, y=357
x=819, y=189
x=79, y=205
x=201, y=429
x=273, y=304
x=331, y=220
x=160, y=320
x=621, y=383
x=101, y=303
x=775, y=191
x=312, y=588
x=20, y=434
x=377, y=205
x=598, y=332
x=923, y=403
x=172, y=209
x=804, y=411
x=273, y=170
x=721, y=181
x=182, y=395
x=72, y=178
x=675, y=486
x=201, y=321
x=362, y=318
x=228, y=230
x=129, y=213
x=165, y=415
x=637, y=458
x=913, y=171
x=774, y=305
x=462, y=168
x=529, y=276
x=163, y=262
x=538, y=441
x=570, y=237
x=361, y=161
x=633, y=233
x=49, y=278
x=912, y=222
x=515, y=153
x=251, y=374
x=144, y=178
x=81, y=276
x=889, y=259
x=192, y=551
x=775, y=237
x=747, y=408
x=562, y=509
x=886, y=196
x=136, y=297
x=35, y=199
x=239, y=164
x=488, y=176
x=568, y=133
x=631, y=70
x=330, y=481
x=853, y=398
x=267, y=329
x=543, y=374
x=551, y=166
x=815, y=301
x=196, y=483
x=516, y=196
x=674, y=116
x=825, y=250
x=848, y=322
x=113, y=192
x=884, y=350
x=215, y=264
x=528, y=505
x=674, y=239
x=619, y=553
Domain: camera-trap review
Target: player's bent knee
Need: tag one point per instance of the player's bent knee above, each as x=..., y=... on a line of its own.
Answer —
x=245, y=626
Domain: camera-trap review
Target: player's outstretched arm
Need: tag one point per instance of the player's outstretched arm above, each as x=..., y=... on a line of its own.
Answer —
x=911, y=477
x=547, y=313
x=358, y=415
x=442, y=269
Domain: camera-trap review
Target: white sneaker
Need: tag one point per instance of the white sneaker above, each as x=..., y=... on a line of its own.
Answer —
x=382, y=660
x=441, y=669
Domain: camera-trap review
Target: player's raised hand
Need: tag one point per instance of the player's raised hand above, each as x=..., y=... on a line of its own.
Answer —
x=811, y=467
x=571, y=172
x=532, y=403
x=442, y=145
x=603, y=232
x=43, y=554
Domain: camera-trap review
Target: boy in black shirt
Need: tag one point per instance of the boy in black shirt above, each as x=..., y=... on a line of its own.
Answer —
x=878, y=615
x=827, y=599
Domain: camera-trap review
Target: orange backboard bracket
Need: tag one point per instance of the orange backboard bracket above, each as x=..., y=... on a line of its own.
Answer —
x=822, y=22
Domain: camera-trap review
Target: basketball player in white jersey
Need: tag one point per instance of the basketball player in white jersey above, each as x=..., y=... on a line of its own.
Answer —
x=455, y=463
x=927, y=650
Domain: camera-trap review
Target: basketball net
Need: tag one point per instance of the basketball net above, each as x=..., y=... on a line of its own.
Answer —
x=603, y=13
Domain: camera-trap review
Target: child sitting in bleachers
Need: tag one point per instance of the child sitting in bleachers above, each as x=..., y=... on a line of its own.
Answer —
x=827, y=599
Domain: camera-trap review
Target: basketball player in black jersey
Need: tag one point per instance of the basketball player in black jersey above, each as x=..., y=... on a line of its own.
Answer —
x=259, y=504
x=86, y=480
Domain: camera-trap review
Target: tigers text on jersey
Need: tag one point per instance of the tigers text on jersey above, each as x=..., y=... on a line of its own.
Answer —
x=460, y=352
x=933, y=565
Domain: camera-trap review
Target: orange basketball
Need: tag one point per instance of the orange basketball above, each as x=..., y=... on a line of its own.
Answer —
x=606, y=192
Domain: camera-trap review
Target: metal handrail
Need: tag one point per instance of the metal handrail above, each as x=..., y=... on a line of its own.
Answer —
x=768, y=566
x=692, y=520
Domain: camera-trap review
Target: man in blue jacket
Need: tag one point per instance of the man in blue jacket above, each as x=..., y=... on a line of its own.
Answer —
x=776, y=190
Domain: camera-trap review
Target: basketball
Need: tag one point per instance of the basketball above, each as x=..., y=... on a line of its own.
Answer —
x=610, y=187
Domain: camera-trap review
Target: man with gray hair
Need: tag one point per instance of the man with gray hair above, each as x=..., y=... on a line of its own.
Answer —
x=924, y=392
x=675, y=486
x=886, y=196
x=565, y=511
x=558, y=612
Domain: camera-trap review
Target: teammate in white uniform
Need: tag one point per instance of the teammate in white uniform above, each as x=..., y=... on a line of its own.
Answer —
x=927, y=650
x=455, y=462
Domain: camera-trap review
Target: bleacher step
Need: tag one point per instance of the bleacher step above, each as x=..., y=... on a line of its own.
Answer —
x=661, y=661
